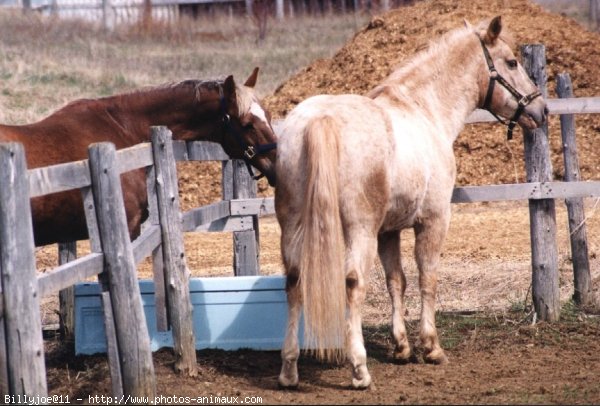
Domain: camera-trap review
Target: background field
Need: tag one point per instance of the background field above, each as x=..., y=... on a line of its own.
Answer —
x=484, y=300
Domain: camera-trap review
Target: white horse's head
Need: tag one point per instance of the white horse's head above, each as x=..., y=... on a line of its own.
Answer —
x=505, y=88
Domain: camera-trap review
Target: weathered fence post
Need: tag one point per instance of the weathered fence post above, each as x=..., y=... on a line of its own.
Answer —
x=542, y=217
x=238, y=184
x=67, y=252
x=21, y=321
x=176, y=272
x=582, y=294
x=135, y=355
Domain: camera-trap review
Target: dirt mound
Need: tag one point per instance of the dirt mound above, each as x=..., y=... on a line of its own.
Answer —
x=483, y=154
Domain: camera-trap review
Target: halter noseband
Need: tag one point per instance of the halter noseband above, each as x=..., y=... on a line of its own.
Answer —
x=250, y=151
x=495, y=76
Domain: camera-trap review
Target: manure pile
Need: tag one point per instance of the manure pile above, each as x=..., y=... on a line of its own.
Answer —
x=483, y=154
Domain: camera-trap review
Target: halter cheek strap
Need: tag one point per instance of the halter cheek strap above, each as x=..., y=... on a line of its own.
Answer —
x=249, y=151
x=522, y=101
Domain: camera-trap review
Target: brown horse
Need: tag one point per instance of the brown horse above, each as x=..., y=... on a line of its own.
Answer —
x=353, y=171
x=219, y=111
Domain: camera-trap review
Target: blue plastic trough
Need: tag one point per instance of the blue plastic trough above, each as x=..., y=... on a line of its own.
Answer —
x=229, y=313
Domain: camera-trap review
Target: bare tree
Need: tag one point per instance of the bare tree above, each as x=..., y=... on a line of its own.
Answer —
x=261, y=9
x=594, y=14
x=147, y=15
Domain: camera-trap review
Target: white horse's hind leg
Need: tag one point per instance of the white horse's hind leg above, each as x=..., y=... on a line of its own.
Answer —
x=288, y=378
x=429, y=237
x=360, y=255
x=389, y=253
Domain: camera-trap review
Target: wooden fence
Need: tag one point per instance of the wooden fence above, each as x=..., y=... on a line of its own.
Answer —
x=113, y=258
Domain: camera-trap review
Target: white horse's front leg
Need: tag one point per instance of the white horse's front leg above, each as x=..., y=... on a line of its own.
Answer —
x=288, y=378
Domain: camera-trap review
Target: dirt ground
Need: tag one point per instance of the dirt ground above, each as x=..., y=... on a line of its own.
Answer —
x=497, y=354
x=484, y=319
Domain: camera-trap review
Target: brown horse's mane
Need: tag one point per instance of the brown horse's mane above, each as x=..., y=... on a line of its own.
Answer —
x=189, y=84
x=245, y=96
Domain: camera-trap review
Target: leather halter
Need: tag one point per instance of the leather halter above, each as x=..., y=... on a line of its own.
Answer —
x=522, y=100
x=249, y=151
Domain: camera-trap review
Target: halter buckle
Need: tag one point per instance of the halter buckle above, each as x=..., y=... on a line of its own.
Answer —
x=250, y=152
x=525, y=100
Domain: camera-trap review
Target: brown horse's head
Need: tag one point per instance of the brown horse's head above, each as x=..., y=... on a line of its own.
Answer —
x=505, y=88
x=248, y=133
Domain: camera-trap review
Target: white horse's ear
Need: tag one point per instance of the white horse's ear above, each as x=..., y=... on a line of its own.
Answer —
x=467, y=24
x=251, y=81
x=494, y=30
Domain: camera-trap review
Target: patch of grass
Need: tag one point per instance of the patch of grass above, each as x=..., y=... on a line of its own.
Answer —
x=60, y=60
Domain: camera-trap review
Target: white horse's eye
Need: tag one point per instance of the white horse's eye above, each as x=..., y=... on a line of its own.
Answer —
x=512, y=63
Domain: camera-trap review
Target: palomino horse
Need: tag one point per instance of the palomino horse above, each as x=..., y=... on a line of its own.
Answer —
x=219, y=111
x=353, y=171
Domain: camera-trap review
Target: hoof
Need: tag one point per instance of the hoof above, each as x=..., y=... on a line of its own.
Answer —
x=287, y=383
x=437, y=357
x=361, y=384
x=402, y=355
x=283, y=384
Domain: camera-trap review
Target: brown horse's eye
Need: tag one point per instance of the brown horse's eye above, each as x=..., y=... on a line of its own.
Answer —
x=512, y=63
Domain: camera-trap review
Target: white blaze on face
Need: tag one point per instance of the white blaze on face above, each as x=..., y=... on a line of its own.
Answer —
x=257, y=111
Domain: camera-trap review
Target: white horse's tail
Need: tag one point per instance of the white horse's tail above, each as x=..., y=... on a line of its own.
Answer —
x=320, y=236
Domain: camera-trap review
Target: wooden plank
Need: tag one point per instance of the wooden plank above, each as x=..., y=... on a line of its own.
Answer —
x=542, y=217
x=227, y=224
x=89, y=207
x=67, y=252
x=177, y=274
x=160, y=296
x=135, y=356
x=578, y=105
x=569, y=190
x=470, y=194
x=244, y=257
x=180, y=150
x=112, y=350
x=146, y=243
x=257, y=206
x=4, y=378
x=58, y=178
x=138, y=156
x=162, y=320
x=21, y=319
x=205, y=215
x=70, y=273
x=582, y=294
x=227, y=179
x=206, y=151
x=245, y=243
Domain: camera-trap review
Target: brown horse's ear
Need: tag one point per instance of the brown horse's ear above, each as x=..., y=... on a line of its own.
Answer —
x=230, y=95
x=251, y=81
x=494, y=30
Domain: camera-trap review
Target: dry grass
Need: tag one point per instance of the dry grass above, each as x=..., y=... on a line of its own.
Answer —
x=45, y=63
